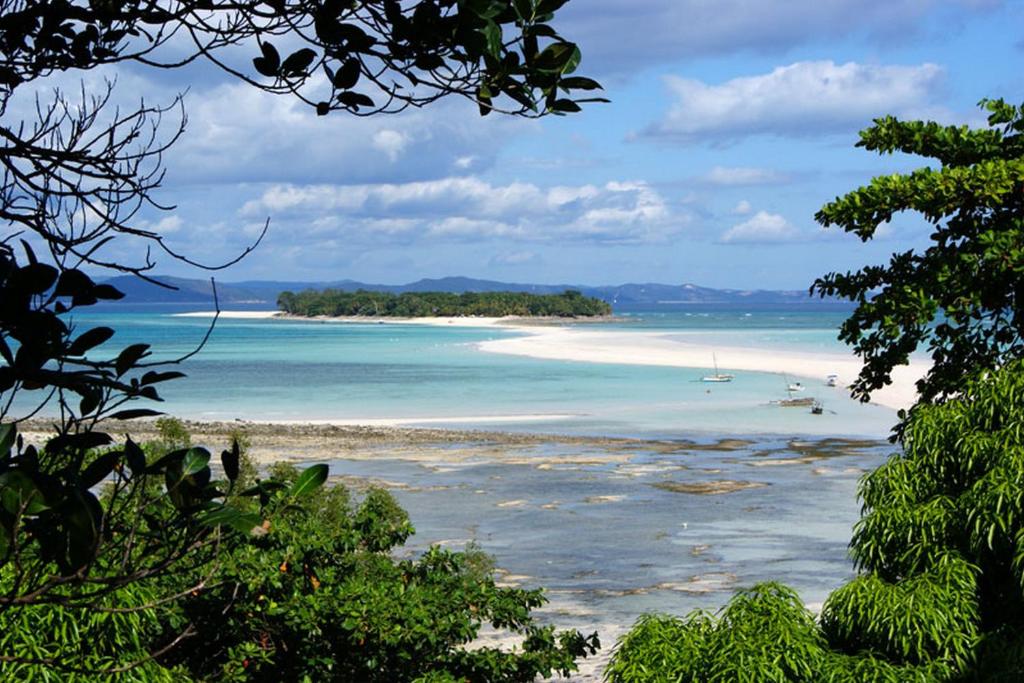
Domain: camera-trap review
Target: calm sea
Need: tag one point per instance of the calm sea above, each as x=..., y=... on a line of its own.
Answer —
x=595, y=525
x=296, y=370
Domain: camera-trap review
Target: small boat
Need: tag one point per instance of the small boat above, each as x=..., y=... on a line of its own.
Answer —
x=817, y=408
x=831, y=380
x=794, y=402
x=791, y=388
x=718, y=376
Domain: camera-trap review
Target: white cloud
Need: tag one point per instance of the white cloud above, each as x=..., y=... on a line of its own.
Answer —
x=238, y=134
x=805, y=98
x=762, y=227
x=470, y=209
x=663, y=30
x=391, y=142
x=742, y=175
x=742, y=208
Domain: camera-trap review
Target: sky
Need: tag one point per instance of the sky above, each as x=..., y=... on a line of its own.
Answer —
x=731, y=122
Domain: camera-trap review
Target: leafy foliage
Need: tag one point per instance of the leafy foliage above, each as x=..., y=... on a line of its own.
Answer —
x=312, y=593
x=320, y=596
x=419, y=304
x=100, y=572
x=941, y=549
x=78, y=175
x=962, y=297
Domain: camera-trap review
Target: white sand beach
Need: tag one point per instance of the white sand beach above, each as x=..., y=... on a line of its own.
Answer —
x=652, y=348
x=575, y=343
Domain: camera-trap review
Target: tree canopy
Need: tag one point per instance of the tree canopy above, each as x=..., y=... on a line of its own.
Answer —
x=940, y=549
x=79, y=175
x=101, y=539
x=962, y=298
x=331, y=302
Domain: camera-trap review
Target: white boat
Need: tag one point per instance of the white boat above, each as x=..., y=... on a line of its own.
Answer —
x=718, y=376
x=794, y=402
x=831, y=380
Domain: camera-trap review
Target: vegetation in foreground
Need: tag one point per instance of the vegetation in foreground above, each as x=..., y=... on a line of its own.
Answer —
x=334, y=302
x=940, y=543
x=131, y=563
x=312, y=593
x=940, y=597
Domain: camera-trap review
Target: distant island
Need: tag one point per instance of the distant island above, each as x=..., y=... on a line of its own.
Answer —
x=364, y=303
x=265, y=292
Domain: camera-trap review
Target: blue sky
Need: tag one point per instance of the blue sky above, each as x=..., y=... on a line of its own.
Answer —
x=731, y=122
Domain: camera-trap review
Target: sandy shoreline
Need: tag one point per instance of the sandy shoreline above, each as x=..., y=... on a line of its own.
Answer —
x=655, y=348
x=566, y=339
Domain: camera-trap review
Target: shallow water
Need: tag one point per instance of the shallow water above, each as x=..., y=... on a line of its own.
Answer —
x=589, y=524
x=297, y=370
x=585, y=521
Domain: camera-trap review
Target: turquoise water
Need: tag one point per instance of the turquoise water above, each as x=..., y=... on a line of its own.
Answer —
x=595, y=529
x=298, y=370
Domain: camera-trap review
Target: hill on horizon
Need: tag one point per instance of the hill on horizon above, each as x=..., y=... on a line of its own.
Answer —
x=195, y=291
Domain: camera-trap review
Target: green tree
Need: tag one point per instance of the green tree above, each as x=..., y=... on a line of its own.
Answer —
x=963, y=297
x=74, y=178
x=321, y=598
x=940, y=548
x=940, y=543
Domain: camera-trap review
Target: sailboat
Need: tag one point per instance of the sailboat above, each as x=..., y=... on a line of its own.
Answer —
x=718, y=376
x=791, y=402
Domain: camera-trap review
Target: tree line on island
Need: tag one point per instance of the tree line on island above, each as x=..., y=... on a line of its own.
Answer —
x=335, y=302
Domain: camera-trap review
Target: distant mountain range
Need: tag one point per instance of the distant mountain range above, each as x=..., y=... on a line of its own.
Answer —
x=265, y=292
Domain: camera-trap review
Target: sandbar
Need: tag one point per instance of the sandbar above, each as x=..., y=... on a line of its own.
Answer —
x=654, y=348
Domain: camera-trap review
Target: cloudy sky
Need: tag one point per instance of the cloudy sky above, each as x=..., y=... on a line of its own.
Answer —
x=731, y=122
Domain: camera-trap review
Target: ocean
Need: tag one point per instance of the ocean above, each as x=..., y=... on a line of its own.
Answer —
x=611, y=529
x=286, y=370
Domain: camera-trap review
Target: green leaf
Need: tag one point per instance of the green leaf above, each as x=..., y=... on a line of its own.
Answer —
x=133, y=413
x=195, y=460
x=89, y=340
x=524, y=8
x=566, y=106
x=8, y=434
x=19, y=492
x=298, y=62
x=128, y=357
x=312, y=477
x=135, y=456
x=81, y=515
x=558, y=57
x=243, y=522
x=348, y=75
x=100, y=468
x=230, y=459
x=579, y=83
x=549, y=6
x=492, y=32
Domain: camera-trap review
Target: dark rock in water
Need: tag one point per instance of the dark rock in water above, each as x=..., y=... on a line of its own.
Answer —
x=708, y=488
